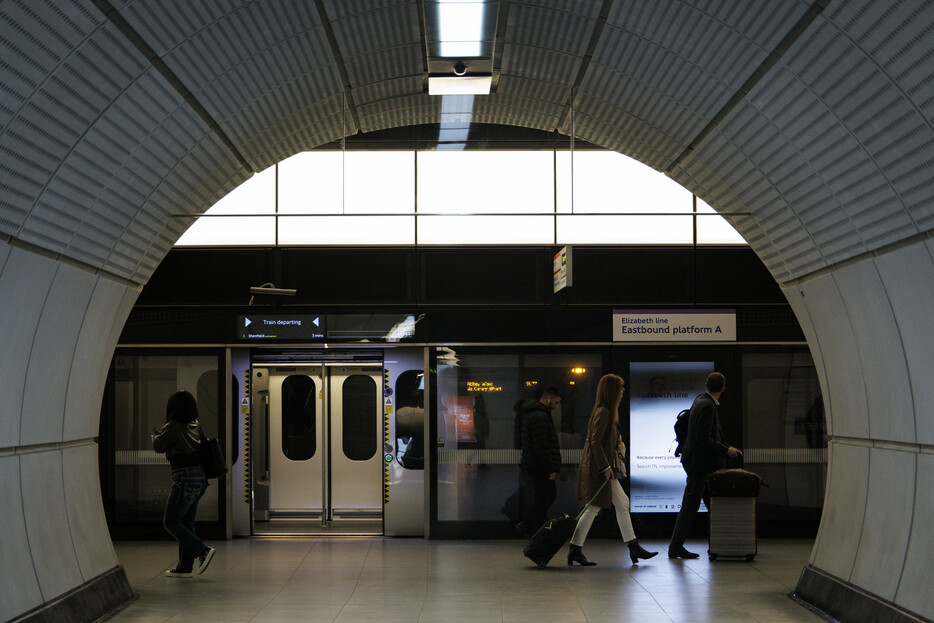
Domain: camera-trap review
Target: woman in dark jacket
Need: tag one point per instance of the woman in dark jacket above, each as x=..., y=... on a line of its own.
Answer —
x=597, y=467
x=179, y=440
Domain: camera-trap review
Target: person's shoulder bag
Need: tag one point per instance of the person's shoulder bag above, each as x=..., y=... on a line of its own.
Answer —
x=211, y=457
x=618, y=460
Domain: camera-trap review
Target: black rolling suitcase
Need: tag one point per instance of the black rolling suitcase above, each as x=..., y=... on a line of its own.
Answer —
x=548, y=539
x=555, y=532
x=733, y=494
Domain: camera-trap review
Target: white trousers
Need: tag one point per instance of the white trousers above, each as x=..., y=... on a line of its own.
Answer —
x=620, y=503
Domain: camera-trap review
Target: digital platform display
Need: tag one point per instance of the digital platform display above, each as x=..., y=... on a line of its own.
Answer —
x=332, y=327
x=294, y=327
x=658, y=391
x=371, y=327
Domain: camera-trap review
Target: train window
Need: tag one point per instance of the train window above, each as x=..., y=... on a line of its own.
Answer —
x=784, y=431
x=477, y=391
x=133, y=486
x=361, y=422
x=299, y=441
x=410, y=419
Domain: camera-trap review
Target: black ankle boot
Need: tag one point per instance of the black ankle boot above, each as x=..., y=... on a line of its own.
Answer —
x=575, y=554
x=636, y=551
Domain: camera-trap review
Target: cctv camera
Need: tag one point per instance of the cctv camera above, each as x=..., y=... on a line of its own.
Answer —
x=272, y=290
x=460, y=68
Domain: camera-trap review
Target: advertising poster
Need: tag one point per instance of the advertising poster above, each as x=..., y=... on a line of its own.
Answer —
x=463, y=418
x=657, y=392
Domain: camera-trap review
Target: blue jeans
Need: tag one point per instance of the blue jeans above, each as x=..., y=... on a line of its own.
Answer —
x=188, y=485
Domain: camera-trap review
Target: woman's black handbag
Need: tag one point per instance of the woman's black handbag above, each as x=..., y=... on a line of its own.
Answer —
x=211, y=457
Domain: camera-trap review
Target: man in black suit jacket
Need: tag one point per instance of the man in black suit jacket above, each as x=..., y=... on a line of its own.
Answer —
x=705, y=451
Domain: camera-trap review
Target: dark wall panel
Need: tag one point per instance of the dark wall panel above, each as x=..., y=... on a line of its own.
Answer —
x=208, y=277
x=351, y=276
x=487, y=276
x=181, y=325
x=534, y=324
x=620, y=276
x=734, y=275
x=632, y=276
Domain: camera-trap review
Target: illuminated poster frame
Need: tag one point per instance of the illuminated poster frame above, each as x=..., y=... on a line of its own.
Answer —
x=657, y=392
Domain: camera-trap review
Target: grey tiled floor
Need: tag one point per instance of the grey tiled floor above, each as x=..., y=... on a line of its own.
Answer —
x=384, y=580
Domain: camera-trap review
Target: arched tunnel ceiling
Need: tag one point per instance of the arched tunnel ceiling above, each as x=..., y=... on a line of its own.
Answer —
x=812, y=119
x=656, y=75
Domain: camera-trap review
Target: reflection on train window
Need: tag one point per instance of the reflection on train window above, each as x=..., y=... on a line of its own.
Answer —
x=360, y=417
x=134, y=494
x=410, y=419
x=478, y=389
x=298, y=418
x=784, y=430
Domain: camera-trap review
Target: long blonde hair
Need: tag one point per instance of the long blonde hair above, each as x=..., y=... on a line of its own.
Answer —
x=608, y=395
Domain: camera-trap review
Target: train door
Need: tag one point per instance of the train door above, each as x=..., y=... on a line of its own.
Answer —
x=355, y=428
x=322, y=459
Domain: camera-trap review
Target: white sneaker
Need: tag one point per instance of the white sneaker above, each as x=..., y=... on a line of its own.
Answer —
x=205, y=559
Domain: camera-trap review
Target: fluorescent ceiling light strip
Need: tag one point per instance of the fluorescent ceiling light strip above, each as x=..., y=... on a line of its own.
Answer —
x=460, y=49
x=461, y=28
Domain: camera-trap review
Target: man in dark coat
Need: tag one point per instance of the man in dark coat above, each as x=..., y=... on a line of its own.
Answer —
x=541, y=454
x=705, y=451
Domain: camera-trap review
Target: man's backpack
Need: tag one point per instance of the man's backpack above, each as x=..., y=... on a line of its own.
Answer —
x=681, y=429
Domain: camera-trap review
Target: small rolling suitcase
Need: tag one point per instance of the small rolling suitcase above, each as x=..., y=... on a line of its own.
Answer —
x=733, y=494
x=555, y=532
x=548, y=539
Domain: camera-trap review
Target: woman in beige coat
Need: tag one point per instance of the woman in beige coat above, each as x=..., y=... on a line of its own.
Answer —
x=597, y=467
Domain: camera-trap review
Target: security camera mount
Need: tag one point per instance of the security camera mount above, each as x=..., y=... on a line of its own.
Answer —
x=272, y=290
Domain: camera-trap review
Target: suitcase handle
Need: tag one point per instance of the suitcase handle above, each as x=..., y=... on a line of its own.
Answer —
x=587, y=505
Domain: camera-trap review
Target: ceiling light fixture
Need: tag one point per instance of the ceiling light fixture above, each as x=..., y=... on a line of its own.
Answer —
x=460, y=27
x=460, y=46
x=459, y=85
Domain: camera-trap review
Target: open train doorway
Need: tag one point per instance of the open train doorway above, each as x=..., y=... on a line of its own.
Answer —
x=316, y=449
